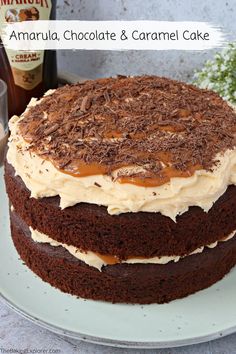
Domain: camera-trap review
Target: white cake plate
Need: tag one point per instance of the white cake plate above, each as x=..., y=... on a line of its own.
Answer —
x=204, y=316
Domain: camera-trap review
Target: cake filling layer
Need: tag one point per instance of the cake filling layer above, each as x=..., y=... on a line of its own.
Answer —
x=43, y=179
x=97, y=260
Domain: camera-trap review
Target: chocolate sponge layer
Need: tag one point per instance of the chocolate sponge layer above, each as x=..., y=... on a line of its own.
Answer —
x=129, y=283
x=90, y=227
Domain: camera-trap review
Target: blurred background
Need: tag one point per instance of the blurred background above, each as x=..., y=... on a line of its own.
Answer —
x=176, y=64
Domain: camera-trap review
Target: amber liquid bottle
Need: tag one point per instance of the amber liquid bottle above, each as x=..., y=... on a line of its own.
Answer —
x=27, y=74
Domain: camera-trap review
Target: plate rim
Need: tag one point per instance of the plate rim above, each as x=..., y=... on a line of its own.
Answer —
x=115, y=343
x=104, y=341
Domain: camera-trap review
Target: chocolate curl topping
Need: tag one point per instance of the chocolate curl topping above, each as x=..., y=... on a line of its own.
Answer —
x=148, y=122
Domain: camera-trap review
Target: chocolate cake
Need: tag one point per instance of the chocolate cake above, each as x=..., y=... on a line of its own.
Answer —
x=123, y=189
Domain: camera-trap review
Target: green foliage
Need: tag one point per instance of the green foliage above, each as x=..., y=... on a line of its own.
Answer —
x=219, y=74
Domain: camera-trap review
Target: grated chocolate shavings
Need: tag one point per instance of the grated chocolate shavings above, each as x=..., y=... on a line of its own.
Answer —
x=86, y=103
x=146, y=121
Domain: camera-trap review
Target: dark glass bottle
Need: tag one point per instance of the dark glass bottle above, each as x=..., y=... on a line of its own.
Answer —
x=24, y=77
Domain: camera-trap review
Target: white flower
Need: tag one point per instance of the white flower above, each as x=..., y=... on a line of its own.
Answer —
x=219, y=74
x=214, y=67
x=223, y=67
x=210, y=86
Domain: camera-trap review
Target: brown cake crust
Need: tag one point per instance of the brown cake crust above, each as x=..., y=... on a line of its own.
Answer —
x=90, y=227
x=129, y=283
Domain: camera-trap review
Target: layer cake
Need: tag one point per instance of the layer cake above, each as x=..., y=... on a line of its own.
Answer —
x=123, y=189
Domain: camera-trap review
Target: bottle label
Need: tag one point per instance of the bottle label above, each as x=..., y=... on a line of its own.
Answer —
x=27, y=67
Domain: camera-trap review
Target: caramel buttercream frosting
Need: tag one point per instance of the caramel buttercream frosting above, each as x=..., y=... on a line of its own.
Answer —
x=129, y=143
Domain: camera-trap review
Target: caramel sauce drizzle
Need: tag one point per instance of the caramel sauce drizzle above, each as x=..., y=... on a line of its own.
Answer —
x=113, y=134
x=78, y=168
x=113, y=259
x=84, y=170
x=164, y=177
x=81, y=169
x=108, y=259
x=168, y=172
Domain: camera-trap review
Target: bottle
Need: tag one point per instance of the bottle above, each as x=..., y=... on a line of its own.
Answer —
x=27, y=74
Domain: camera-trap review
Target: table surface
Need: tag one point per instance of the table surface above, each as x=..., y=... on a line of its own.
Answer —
x=20, y=334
